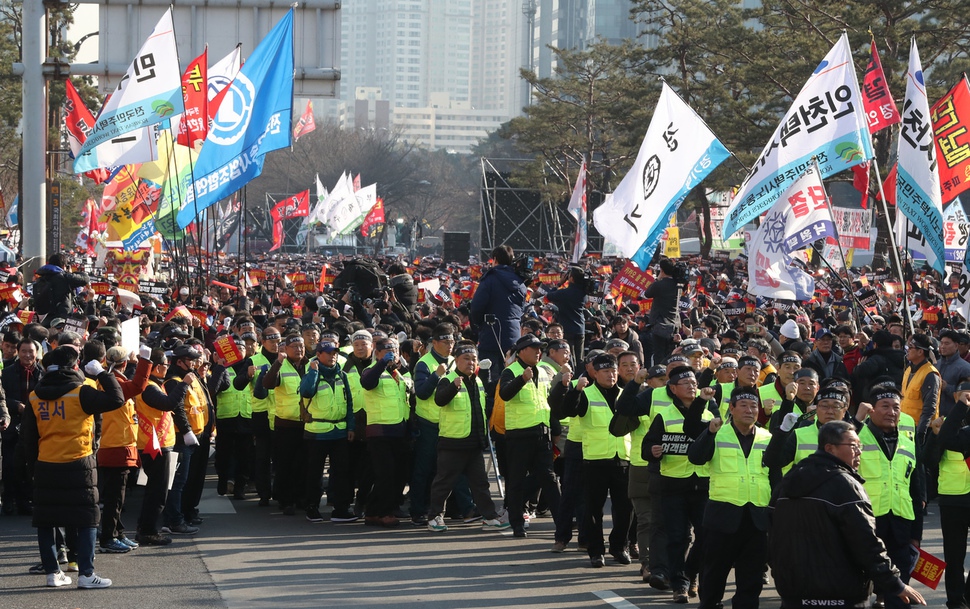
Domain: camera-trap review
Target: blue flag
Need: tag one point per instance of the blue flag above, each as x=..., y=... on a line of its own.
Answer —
x=254, y=118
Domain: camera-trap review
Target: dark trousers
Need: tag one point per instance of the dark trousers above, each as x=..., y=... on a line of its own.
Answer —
x=289, y=462
x=529, y=455
x=955, y=524
x=895, y=534
x=746, y=551
x=114, y=481
x=262, y=455
x=173, y=501
x=234, y=447
x=572, y=504
x=16, y=481
x=602, y=477
x=648, y=519
x=339, y=490
x=388, y=461
x=576, y=346
x=681, y=512
x=156, y=490
x=454, y=465
x=192, y=494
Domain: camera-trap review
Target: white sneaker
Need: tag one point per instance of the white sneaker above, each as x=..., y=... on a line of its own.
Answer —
x=56, y=580
x=437, y=524
x=93, y=581
x=501, y=521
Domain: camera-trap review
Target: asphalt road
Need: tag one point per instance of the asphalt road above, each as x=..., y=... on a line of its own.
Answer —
x=251, y=557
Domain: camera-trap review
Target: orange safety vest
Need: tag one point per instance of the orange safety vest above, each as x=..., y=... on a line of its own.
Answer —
x=66, y=431
x=912, y=402
x=153, y=421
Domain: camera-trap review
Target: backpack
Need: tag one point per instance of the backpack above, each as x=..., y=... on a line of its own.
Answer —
x=43, y=295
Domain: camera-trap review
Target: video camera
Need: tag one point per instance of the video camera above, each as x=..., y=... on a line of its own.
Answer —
x=523, y=268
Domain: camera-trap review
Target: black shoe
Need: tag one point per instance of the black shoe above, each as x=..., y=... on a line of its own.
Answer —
x=313, y=514
x=519, y=533
x=419, y=521
x=597, y=562
x=263, y=502
x=153, y=540
x=622, y=558
x=221, y=488
x=659, y=582
x=339, y=515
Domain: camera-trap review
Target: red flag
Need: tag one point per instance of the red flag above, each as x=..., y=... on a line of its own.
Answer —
x=374, y=217
x=297, y=206
x=323, y=277
x=78, y=120
x=877, y=102
x=951, y=121
x=195, y=120
x=928, y=569
x=306, y=124
x=860, y=181
x=357, y=183
x=889, y=187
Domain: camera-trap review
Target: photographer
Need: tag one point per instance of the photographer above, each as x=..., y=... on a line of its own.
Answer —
x=404, y=290
x=55, y=287
x=570, y=301
x=664, y=319
x=497, y=308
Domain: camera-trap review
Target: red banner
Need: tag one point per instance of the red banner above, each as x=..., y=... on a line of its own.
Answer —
x=102, y=288
x=630, y=282
x=179, y=311
x=549, y=278
x=201, y=316
x=877, y=102
x=226, y=348
x=297, y=206
x=928, y=570
x=26, y=316
x=306, y=124
x=304, y=287
x=195, y=120
x=951, y=121
x=374, y=217
x=79, y=121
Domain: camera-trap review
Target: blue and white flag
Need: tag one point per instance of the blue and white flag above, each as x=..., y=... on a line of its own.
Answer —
x=770, y=272
x=254, y=118
x=826, y=121
x=149, y=93
x=917, y=177
x=577, y=207
x=808, y=216
x=677, y=153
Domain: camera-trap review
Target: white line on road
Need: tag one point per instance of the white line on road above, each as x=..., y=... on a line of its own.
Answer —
x=608, y=596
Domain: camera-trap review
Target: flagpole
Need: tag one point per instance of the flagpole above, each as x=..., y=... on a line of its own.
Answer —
x=892, y=242
x=847, y=286
x=838, y=240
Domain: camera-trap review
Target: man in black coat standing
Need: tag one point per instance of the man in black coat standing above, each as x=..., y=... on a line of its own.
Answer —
x=56, y=299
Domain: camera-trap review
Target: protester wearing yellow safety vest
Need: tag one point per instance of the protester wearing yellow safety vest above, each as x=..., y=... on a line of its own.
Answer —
x=289, y=458
x=683, y=485
x=796, y=436
x=189, y=421
x=357, y=360
x=329, y=425
x=606, y=459
x=528, y=436
x=894, y=481
x=921, y=383
x=954, y=494
x=263, y=407
x=156, y=437
x=772, y=394
x=386, y=394
x=806, y=388
x=429, y=369
x=722, y=375
x=57, y=428
x=460, y=397
x=234, y=416
x=736, y=517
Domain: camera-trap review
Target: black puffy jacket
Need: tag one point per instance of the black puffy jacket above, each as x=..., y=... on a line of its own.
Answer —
x=822, y=543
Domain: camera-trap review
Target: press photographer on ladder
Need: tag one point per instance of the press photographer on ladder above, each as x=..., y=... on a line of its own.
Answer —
x=570, y=301
x=496, y=310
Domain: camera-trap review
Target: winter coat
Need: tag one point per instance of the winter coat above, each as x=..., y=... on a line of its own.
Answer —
x=500, y=293
x=62, y=288
x=822, y=544
x=878, y=362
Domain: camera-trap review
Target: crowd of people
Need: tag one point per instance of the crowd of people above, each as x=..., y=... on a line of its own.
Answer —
x=727, y=433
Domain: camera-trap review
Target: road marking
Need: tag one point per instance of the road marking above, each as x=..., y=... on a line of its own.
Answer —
x=608, y=596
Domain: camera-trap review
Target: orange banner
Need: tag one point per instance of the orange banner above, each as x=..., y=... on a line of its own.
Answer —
x=928, y=570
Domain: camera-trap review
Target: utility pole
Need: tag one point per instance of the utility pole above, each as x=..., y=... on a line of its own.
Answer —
x=33, y=237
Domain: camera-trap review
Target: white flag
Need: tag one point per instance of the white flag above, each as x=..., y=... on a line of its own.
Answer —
x=149, y=93
x=956, y=231
x=826, y=121
x=808, y=217
x=577, y=207
x=365, y=199
x=917, y=178
x=134, y=147
x=220, y=74
x=677, y=152
x=343, y=206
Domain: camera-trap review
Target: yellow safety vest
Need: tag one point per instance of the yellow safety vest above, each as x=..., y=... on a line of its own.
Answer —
x=66, y=431
x=954, y=474
x=456, y=416
x=598, y=443
x=912, y=402
x=386, y=404
x=722, y=407
x=678, y=466
x=887, y=482
x=118, y=427
x=327, y=408
x=232, y=402
x=427, y=409
x=267, y=404
x=737, y=479
x=151, y=420
x=530, y=406
x=288, y=393
x=658, y=400
x=196, y=405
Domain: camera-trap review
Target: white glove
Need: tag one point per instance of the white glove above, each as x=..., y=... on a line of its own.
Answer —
x=145, y=352
x=789, y=421
x=94, y=367
x=190, y=440
x=485, y=364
